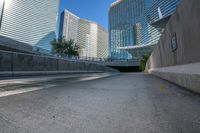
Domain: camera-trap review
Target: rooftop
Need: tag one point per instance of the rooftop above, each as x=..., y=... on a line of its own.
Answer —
x=116, y=2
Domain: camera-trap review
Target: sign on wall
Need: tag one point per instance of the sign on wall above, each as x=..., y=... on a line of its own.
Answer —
x=174, y=45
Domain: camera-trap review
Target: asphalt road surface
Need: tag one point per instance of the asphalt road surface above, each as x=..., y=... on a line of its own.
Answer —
x=125, y=103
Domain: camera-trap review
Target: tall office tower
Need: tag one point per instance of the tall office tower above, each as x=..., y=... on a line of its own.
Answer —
x=84, y=38
x=90, y=37
x=102, y=49
x=130, y=24
x=29, y=21
x=92, y=40
x=69, y=26
x=137, y=34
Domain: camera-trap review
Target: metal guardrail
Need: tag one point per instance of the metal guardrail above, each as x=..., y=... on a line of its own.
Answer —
x=96, y=59
x=102, y=61
x=91, y=59
x=10, y=45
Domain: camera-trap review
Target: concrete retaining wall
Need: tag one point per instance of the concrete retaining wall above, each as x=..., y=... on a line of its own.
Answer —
x=185, y=23
x=11, y=62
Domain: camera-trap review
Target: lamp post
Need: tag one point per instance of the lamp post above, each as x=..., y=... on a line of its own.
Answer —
x=2, y=11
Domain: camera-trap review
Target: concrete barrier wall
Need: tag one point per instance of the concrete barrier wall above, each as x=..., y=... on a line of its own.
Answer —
x=180, y=66
x=5, y=61
x=20, y=62
x=185, y=22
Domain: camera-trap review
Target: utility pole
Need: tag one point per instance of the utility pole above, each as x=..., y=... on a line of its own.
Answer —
x=2, y=11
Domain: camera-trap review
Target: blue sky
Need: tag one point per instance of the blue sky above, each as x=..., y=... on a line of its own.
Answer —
x=94, y=10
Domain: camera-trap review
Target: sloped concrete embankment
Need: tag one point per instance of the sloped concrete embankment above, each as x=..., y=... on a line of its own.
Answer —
x=20, y=64
x=176, y=57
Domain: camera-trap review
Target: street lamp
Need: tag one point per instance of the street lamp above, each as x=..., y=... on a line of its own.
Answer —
x=2, y=11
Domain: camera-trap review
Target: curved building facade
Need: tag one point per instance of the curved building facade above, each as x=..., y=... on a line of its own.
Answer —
x=161, y=9
x=129, y=24
x=30, y=21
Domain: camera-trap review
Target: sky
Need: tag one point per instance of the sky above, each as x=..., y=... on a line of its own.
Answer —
x=94, y=10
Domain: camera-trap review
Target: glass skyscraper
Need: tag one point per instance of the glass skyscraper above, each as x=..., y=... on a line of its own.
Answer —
x=130, y=23
x=161, y=9
x=30, y=21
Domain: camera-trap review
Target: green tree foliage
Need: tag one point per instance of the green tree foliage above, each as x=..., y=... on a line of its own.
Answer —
x=143, y=61
x=62, y=47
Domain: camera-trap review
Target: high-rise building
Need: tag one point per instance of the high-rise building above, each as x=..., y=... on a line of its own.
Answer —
x=29, y=21
x=102, y=49
x=92, y=39
x=89, y=36
x=69, y=26
x=86, y=39
x=131, y=23
x=161, y=9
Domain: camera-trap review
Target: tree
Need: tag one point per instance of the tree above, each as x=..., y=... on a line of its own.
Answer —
x=143, y=61
x=63, y=47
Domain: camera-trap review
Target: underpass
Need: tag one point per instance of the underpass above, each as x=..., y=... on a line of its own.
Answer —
x=121, y=65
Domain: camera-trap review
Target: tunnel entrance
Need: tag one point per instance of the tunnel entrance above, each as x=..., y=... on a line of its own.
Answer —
x=127, y=68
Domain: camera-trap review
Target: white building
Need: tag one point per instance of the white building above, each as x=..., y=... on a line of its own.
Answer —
x=102, y=49
x=90, y=37
x=69, y=26
x=30, y=21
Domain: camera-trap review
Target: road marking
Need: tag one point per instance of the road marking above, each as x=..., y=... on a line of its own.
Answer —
x=36, y=81
x=24, y=90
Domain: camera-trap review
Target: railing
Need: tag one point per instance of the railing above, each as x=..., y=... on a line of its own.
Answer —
x=95, y=59
x=91, y=59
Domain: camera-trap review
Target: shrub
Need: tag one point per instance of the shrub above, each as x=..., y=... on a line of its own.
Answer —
x=63, y=47
x=143, y=61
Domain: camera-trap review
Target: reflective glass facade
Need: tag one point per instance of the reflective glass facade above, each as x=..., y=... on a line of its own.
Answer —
x=161, y=8
x=30, y=21
x=129, y=23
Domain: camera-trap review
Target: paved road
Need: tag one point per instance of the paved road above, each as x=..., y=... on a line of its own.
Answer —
x=126, y=103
